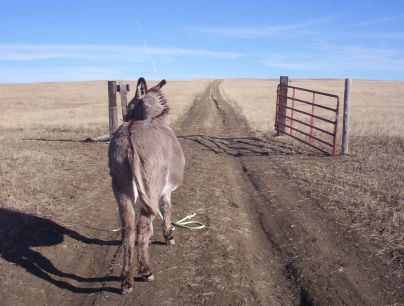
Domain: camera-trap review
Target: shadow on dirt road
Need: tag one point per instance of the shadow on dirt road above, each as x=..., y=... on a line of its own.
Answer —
x=20, y=232
x=247, y=146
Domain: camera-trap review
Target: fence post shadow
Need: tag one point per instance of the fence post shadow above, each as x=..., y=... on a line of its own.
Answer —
x=246, y=146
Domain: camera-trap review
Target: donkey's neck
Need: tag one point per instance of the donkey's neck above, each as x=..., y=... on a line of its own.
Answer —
x=152, y=105
x=164, y=117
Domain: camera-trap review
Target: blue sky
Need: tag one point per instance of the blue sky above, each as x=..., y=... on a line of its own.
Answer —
x=98, y=40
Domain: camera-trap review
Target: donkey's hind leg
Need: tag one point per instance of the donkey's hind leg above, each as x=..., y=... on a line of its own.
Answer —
x=166, y=208
x=126, y=199
x=144, y=232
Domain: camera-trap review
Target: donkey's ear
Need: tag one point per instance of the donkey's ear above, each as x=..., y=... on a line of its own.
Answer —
x=141, y=88
x=159, y=85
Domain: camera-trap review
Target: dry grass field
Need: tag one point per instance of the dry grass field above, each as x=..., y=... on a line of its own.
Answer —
x=47, y=170
x=73, y=110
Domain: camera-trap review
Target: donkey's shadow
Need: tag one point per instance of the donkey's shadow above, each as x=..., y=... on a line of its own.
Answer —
x=19, y=232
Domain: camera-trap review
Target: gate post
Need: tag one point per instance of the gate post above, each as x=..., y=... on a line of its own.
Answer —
x=345, y=124
x=113, y=109
x=283, y=101
x=123, y=90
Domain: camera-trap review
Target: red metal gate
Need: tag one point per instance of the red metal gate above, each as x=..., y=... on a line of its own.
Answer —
x=312, y=126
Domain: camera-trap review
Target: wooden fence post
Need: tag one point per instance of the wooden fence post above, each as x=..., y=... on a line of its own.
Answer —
x=345, y=124
x=124, y=98
x=283, y=101
x=113, y=110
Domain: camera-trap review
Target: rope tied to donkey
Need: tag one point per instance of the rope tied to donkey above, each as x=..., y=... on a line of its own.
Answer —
x=186, y=222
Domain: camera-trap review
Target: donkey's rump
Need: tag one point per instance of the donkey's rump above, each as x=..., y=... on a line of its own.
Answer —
x=160, y=153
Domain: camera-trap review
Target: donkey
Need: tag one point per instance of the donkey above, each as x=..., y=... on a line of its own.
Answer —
x=145, y=161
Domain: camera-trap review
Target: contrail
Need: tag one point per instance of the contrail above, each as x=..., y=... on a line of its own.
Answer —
x=146, y=47
x=149, y=57
x=139, y=26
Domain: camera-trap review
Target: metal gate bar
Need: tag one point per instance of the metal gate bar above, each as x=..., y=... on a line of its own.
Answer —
x=309, y=103
x=307, y=134
x=307, y=124
x=293, y=106
x=310, y=115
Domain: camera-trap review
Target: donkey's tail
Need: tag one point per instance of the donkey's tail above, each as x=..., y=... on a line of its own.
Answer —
x=137, y=171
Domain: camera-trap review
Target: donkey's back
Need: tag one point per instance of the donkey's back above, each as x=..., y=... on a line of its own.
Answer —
x=150, y=149
x=146, y=162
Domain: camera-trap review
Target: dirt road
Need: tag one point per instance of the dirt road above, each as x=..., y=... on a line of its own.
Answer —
x=266, y=241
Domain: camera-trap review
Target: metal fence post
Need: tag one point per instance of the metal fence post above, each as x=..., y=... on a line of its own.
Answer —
x=283, y=101
x=113, y=109
x=345, y=124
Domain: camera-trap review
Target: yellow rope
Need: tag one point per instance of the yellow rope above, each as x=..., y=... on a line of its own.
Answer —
x=186, y=222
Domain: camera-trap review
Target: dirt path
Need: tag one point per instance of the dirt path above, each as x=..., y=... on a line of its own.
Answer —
x=266, y=243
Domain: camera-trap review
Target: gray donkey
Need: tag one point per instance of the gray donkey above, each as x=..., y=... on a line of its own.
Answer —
x=145, y=161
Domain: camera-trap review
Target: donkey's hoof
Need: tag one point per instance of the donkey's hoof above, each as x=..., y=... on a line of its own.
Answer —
x=126, y=288
x=169, y=239
x=147, y=278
